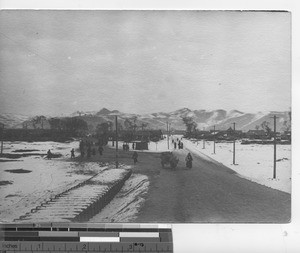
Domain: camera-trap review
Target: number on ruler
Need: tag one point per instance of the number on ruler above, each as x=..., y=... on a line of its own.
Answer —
x=84, y=247
x=139, y=246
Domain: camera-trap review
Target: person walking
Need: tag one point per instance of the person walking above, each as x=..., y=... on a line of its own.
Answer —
x=49, y=154
x=189, y=160
x=135, y=157
x=72, y=153
x=100, y=149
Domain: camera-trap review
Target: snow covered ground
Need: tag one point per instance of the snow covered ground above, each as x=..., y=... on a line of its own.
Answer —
x=20, y=192
x=42, y=179
x=254, y=162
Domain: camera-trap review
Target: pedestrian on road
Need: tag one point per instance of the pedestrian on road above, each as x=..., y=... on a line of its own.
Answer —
x=189, y=160
x=100, y=149
x=175, y=145
x=72, y=153
x=49, y=154
x=135, y=157
x=133, y=145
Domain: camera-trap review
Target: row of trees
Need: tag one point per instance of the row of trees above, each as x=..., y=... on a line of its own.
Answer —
x=72, y=124
x=77, y=123
x=132, y=124
x=266, y=126
x=129, y=124
x=35, y=122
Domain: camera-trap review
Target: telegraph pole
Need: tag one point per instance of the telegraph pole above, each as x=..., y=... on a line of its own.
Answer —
x=169, y=130
x=168, y=134
x=203, y=139
x=233, y=143
x=117, y=157
x=274, y=162
x=214, y=139
x=2, y=136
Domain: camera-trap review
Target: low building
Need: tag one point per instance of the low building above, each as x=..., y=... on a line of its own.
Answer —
x=141, y=135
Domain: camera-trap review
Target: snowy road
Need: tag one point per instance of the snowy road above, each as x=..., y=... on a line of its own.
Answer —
x=209, y=192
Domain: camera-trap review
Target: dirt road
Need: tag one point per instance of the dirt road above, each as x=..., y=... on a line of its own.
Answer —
x=208, y=192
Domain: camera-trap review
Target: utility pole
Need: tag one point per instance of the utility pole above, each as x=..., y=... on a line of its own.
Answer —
x=274, y=162
x=203, y=139
x=117, y=158
x=233, y=143
x=214, y=139
x=2, y=136
x=168, y=134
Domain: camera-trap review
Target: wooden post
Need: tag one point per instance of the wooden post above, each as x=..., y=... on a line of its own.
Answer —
x=274, y=162
x=214, y=139
x=203, y=139
x=2, y=136
x=168, y=134
x=117, y=158
x=233, y=143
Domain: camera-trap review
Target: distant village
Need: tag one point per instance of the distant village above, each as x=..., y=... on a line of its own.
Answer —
x=40, y=128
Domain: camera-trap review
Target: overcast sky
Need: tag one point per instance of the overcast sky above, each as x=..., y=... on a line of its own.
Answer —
x=58, y=62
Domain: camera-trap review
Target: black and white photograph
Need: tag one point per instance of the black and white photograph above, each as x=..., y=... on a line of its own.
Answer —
x=145, y=116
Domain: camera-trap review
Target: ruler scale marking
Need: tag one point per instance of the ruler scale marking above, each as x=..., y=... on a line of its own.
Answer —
x=86, y=238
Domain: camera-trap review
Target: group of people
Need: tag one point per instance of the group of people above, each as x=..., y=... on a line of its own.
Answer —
x=125, y=147
x=89, y=148
x=177, y=144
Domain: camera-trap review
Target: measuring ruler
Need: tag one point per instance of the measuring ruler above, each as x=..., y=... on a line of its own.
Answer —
x=79, y=237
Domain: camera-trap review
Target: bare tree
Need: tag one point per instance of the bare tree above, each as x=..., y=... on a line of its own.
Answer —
x=265, y=126
x=190, y=124
x=38, y=120
x=144, y=125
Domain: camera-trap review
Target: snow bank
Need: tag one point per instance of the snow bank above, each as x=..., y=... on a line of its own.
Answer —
x=254, y=162
x=127, y=203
